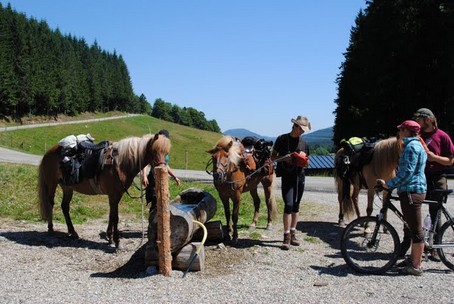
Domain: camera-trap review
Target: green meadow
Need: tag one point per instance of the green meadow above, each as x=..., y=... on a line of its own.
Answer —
x=18, y=195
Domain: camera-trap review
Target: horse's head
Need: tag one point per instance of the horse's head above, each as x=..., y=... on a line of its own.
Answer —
x=159, y=147
x=225, y=157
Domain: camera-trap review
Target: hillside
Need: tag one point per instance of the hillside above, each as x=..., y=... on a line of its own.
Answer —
x=189, y=145
x=320, y=137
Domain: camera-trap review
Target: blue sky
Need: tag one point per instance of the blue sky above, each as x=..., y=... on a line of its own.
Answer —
x=252, y=64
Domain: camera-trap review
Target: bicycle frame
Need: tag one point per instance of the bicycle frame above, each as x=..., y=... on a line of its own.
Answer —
x=387, y=205
x=441, y=209
x=374, y=251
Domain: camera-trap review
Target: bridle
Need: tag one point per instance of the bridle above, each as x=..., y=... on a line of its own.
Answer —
x=222, y=170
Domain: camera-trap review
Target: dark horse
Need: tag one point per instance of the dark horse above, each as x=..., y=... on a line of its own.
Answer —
x=130, y=155
x=384, y=161
x=232, y=176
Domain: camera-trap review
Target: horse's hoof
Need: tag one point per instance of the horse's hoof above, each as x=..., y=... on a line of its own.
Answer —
x=252, y=228
x=111, y=248
x=341, y=223
x=269, y=227
x=73, y=236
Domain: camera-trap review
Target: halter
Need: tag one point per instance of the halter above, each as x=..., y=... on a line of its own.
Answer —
x=221, y=172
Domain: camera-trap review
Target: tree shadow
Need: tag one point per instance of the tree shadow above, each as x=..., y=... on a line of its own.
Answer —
x=328, y=232
x=343, y=271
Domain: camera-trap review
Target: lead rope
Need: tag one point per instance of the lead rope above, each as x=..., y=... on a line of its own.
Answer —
x=142, y=203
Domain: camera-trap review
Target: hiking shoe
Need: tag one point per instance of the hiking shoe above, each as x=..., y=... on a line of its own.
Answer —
x=293, y=240
x=434, y=256
x=286, y=243
x=404, y=263
x=409, y=269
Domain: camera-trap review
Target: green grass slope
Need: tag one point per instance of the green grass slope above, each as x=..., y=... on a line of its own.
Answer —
x=188, y=151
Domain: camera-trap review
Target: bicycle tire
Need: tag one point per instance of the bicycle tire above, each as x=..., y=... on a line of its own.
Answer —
x=370, y=260
x=446, y=238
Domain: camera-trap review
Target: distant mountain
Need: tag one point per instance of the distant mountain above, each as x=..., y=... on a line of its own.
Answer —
x=320, y=137
x=242, y=133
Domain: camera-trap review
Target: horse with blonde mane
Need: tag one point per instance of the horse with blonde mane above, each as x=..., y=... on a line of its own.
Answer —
x=129, y=155
x=382, y=165
x=233, y=176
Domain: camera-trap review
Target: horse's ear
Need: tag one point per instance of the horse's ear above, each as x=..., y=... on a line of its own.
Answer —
x=156, y=136
x=229, y=145
x=211, y=151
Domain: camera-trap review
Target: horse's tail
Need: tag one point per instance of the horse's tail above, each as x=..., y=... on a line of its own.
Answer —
x=347, y=201
x=47, y=183
x=345, y=197
x=273, y=206
x=43, y=194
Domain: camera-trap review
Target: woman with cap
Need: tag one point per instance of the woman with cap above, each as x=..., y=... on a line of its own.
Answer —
x=410, y=182
x=291, y=170
x=439, y=157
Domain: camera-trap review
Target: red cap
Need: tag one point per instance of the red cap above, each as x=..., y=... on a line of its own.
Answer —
x=410, y=125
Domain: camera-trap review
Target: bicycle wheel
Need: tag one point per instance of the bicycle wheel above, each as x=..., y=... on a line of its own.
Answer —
x=446, y=240
x=363, y=256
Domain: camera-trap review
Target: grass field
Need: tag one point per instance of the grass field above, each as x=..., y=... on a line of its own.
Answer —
x=18, y=183
x=188, y=151
x=19, y=200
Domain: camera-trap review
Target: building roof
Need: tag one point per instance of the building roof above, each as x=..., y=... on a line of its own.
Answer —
x=321, y=162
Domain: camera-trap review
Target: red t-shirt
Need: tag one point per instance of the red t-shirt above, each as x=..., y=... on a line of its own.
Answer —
x=441, y=144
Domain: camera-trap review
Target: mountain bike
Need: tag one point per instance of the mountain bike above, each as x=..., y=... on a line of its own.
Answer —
x=371, y=244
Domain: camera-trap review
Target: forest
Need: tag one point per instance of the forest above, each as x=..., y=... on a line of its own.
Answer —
x=400, y=58
x=43, y=72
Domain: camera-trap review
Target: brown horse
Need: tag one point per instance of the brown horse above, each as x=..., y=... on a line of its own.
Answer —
x=130, y=155
x=232, y=177
x=384, y=161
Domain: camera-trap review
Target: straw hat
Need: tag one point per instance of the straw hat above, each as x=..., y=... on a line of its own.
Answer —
x=303, y=122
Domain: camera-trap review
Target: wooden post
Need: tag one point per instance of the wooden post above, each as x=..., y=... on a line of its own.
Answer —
x=163, y=240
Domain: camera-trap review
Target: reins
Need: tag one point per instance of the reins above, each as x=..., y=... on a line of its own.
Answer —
x=249, y=176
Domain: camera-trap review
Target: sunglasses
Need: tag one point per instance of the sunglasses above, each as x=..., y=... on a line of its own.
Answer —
x=416, y=116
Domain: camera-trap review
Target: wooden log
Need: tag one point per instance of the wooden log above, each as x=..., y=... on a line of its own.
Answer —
x=191, y=204
x=183, y=257
x=215, y=233
x=163, y=223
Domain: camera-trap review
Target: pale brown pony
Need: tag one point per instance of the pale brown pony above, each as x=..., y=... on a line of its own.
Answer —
x=133, y=154
x=231, y=179
x=384, y=161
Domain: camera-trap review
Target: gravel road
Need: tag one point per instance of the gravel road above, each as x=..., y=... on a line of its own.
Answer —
x=42, y=268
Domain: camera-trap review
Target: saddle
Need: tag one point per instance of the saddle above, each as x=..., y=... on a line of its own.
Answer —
x=85, y=160
x=256, y=155
x=358, y=153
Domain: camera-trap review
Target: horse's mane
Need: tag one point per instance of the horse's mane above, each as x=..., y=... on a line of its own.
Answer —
x=232, y=146
x=386, y=155
x=131, y=149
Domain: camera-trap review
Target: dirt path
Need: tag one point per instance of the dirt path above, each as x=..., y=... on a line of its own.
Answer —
x=42, y=268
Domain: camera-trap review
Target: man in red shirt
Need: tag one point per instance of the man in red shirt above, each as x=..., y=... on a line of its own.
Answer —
x=439, y=157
